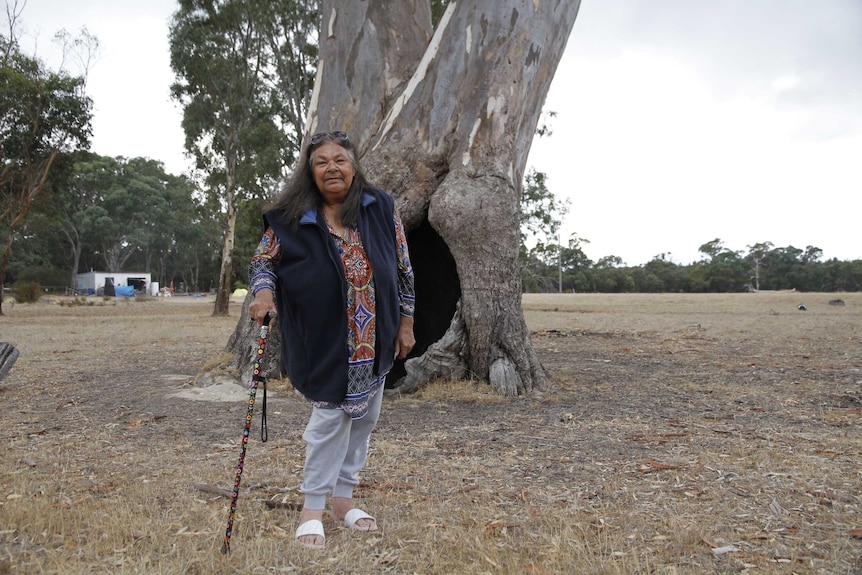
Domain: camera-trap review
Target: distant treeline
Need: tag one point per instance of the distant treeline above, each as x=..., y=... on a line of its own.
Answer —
x=128, y=214
x=764, y=267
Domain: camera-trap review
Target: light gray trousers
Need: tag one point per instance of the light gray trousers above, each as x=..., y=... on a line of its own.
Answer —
x=335, y=452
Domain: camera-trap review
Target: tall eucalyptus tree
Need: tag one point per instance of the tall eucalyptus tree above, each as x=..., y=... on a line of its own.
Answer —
x=238, y=121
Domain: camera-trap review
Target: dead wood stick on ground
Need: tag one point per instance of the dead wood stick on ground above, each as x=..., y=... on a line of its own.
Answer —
x=206, y=488
x=42, y=431
x=283, y=505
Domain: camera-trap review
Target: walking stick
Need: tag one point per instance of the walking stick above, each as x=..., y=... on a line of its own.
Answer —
x=256, y=378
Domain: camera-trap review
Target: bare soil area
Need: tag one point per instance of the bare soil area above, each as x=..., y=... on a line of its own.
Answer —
x=679, y=434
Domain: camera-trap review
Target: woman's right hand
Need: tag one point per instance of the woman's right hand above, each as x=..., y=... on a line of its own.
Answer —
x=262, y=304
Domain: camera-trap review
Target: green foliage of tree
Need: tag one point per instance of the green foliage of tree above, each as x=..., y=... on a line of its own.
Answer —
x=249, y=226
x=38, y=255
x=541, y=217
x=660, y=274
x=190, y=252
x=722, y=270
x=291, y=35
x=541, y=211
x=120, y=214
x=127, y=218
x=43, y=113
x=841, y=275
x=757, y=254
x=78, y=190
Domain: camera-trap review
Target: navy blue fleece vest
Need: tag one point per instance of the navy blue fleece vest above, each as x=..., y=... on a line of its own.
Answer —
x=311, y=296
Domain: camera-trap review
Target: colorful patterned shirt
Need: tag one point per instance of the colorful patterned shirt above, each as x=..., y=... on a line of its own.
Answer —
x=362, y=385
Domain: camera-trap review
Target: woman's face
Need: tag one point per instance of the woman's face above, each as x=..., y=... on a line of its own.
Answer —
x=333, y=172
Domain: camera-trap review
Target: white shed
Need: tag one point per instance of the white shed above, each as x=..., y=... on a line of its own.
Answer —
x=93, y=283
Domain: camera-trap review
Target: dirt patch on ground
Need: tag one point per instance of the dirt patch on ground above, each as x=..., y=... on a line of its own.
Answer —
x=680, y=434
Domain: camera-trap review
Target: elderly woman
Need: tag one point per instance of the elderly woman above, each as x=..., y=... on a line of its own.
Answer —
x=333, y=266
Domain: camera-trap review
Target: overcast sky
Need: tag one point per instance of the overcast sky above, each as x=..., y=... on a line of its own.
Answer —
x=678, y=121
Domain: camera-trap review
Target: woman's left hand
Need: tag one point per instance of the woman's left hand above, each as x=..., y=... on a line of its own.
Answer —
x=404, y=341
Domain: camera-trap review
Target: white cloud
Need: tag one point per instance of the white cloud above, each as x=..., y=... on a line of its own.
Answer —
x=785, y=83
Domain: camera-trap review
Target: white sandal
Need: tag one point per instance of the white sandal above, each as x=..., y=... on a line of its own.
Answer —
x=354, y=515
x=311, y=527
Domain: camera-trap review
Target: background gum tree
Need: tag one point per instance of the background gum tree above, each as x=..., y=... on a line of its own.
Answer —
x=443, y=119
x=238, y=117
x=43, y=113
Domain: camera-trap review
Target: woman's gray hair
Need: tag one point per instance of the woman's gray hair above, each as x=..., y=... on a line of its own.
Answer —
x=300, y=192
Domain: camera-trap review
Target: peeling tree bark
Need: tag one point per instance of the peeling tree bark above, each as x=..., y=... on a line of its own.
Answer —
x=444, y=122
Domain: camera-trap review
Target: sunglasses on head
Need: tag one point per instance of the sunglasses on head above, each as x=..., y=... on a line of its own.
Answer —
x=328, y=137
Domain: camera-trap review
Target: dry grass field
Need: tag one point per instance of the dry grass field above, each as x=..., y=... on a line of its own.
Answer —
x=680, y=434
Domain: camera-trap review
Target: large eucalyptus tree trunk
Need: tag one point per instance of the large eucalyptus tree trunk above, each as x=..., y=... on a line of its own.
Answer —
x=444, y=120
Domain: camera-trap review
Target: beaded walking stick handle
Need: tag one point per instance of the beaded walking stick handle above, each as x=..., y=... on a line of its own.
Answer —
x=257, y=377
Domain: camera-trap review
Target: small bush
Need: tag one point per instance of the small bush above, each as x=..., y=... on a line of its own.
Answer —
x=78, y=301
x=27, y=292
